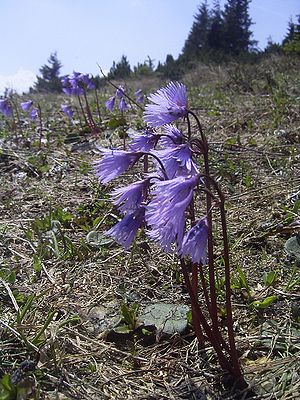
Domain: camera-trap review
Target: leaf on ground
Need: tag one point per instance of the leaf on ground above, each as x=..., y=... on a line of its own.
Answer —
x=97, y=239
x=168, y=318
x=292, y=246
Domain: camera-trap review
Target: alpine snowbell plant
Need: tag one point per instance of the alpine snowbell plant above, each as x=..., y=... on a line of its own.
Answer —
x=35, y=114
x=120, y=94
x=6, y=108
x=164, y=203
x=78, y=84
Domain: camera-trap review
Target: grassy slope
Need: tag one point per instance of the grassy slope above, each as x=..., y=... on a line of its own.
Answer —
x=251, y=116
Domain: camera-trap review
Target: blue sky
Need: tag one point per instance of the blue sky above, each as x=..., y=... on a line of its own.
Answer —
x=87, y=32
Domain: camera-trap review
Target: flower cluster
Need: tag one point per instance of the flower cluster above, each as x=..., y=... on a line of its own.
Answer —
x=161, y=201
x=77, y=83
x=111, y=102
x=6, y=108
x=33, y=112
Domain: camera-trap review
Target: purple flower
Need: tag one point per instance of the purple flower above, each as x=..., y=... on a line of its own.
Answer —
x=113, y=163
x=6, y=108
x=139, y=96
x=67, y=110
x=123, y=106
x=145, y=141
x=165, y=212
x=177, y=161
x=130, y=197
x=195, y=242
x=170, y=103
x=72, y=84
x=26, y=105
x=34, y=113
x=76, y=83
x=110, y=103
x=120, y=91
x=174, y=136
x=87, y=81
x=125, y=231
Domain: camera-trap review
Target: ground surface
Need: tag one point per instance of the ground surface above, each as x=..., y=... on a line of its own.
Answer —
x=63, y=288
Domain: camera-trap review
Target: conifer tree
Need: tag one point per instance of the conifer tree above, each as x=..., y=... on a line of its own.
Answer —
x=291, y=43
x=121, y=69
x=197, y=41
x=216, y=31
x=290, y=33
x=237, y=22
x=49, y=81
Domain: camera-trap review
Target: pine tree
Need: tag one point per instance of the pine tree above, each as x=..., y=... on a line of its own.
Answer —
x=170, y=69
x=120, y=70
x=49, y=81
x=291, y=43
x=290, y=34
x=216, y=31
x=197, y=41
x=237, y=22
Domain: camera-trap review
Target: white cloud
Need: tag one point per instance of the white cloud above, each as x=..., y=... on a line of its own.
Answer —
x=20, y=81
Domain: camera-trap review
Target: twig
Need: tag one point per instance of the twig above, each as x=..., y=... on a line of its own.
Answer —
x=10, y=293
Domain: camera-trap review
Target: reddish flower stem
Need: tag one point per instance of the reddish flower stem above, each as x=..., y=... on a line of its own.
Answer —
x=224, y=362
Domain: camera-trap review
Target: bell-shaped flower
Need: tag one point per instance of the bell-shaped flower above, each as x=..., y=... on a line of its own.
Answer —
x=113, y=163
x=144, y=141
x=110, y=103
x=123, y=106
x=34, y=113
x=165, y=213
x=67, y=110
x=130, y=197
x=171, y=136
x=177, y=161
x=139, y=97
x=87, y=81
x=194, y=243
x=6, y=108
x=125, y=231
x=120, y=91
x=169, y=104
x=26, y=105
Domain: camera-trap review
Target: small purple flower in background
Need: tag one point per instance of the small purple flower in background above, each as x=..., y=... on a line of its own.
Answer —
x=194, y=243
x=34, y=113
x=6, y=108
x=174, y=138
x=72, y=85
x=139, y=96
x=113, y=163
x=125, y=231
x=123, y=106
x=76, y=83
x=170, y=103
x=130, y=197
x=26, y=105
x=110, y=103
x=87, y=80
x=120, y=91
x=145, y=141
x=67, y=110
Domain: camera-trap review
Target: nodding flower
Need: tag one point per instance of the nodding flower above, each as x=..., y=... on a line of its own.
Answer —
x=6, y=108
x=169, y=104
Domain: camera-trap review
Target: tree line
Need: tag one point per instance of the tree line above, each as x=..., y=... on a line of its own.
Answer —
x=217, y=35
